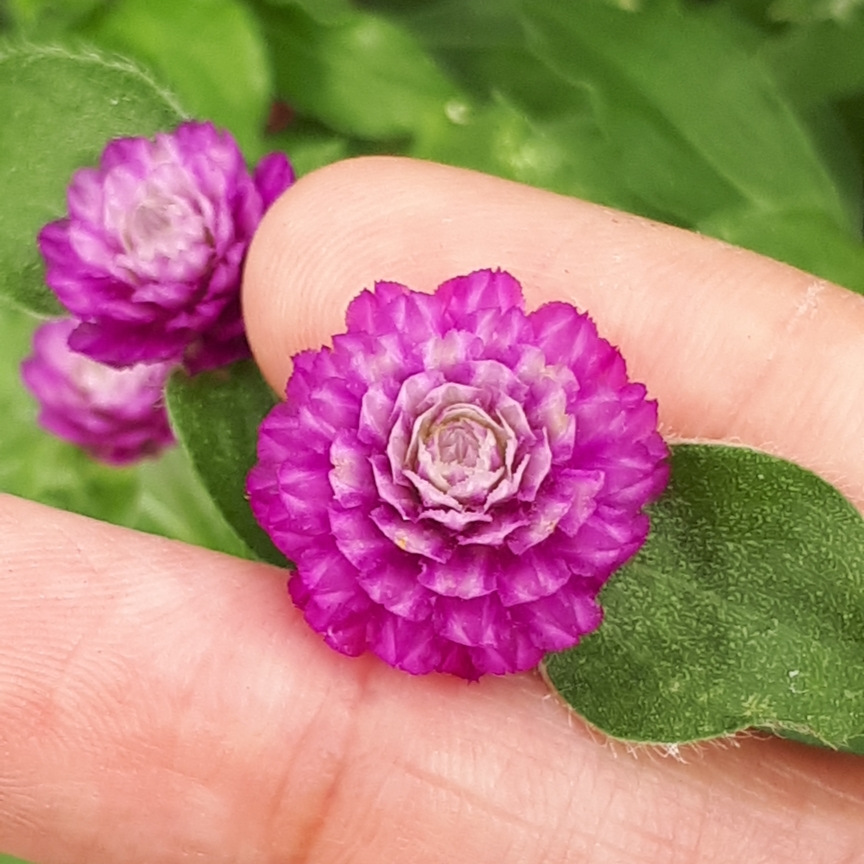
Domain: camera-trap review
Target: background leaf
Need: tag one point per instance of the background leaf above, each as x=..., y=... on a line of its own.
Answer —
x=699, y=122
x=8, y=859
x=514, y=118
x=745, y=608
x=172, y=502
x=363, y=76
x=45, y=19
x=36, y=465
x=59, y=110
x=325, y=11
x=210, y=52
x=216, y=417
x=814, y=10
x=161, y=496
x=821, y=61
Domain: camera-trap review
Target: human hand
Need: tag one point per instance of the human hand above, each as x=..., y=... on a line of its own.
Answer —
x=160, y=702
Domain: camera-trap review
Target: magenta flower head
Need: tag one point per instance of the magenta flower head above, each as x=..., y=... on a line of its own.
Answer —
x=456, y=479
x=149, y=258
x=116, y=415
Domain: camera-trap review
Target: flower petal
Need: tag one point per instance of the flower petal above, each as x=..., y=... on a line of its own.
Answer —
x=394, y=586
x=467, y=573
x=400, y=494
x=408, y=645
x=475, y=621
x=584, y=488
x=515, y=652
x=483, y=289
x=528, y=577
x=376, y=417
x=412, y=537
x=351, y=477
x=570, y=338
x=359, y=539
x=559, y=620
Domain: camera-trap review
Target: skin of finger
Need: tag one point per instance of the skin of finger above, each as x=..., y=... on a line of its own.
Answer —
x=735, y=347
x=161, y=703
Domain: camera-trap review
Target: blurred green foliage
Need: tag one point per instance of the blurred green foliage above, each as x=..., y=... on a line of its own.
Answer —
x=740, y=118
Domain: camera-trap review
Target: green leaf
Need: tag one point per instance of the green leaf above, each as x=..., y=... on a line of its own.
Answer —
x=8, y=859
x=221, y=74
x=36, y=465
x=820, y=62
x=568, y=154
x=697, y=119
x=815, y=10
x=745, y=608
x=59, y=110
x=364, y=76
x=517, y=120
x=216, y=417
x=174, y=503
x=325, y=11
x=45, y=19
x=310, y=145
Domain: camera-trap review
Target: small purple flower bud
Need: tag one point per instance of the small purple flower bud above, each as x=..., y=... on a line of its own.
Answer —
x=116, y=415
x=456, y=479
x=149, y=258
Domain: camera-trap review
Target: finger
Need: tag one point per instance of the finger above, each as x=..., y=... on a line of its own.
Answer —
x=176, y=733
x=161, y=703
x=734, y=346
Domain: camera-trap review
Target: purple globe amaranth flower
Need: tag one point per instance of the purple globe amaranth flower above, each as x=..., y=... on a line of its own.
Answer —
x=456, y=479
x=149, y=258
x=116, y=415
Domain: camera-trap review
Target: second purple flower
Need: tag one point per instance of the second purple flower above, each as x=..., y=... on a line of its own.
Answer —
x=149, y=258
x=456, y=479
x=115, y=415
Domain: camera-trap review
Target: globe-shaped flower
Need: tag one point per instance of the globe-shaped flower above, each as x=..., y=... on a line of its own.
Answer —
x=116, y=415
x=456, y=479
x=150, y=256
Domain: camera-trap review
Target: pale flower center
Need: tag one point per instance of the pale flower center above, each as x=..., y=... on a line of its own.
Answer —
x=162, y=227
x=106, y=387
x=461, y=451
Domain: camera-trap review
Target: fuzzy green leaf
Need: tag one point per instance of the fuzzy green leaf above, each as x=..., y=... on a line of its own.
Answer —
x=745, y=608
x=216, y=417
x=59, y=110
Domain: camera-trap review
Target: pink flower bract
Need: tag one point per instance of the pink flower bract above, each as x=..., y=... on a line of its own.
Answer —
x=116, y=415
x=149, y=258
x=456, y=479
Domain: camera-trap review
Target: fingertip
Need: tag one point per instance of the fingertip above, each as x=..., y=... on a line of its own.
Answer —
x=734, y=346
x=353, y=223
